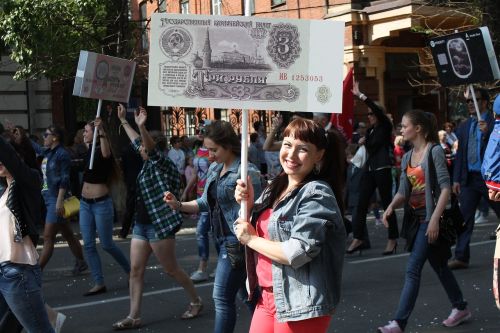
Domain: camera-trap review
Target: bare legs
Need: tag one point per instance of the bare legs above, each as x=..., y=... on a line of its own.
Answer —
x=49, y=235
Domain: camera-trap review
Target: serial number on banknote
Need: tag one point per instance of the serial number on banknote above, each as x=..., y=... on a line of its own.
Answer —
x=306, y=77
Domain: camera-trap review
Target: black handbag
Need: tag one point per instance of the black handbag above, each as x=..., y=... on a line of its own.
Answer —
x=236, y=255
x=451, y=223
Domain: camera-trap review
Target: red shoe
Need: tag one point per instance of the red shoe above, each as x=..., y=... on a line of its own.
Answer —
x=392, y=327
x=457, y=317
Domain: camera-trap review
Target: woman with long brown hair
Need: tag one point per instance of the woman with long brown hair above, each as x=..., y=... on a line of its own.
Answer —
x=425, y=204
x=96, y=207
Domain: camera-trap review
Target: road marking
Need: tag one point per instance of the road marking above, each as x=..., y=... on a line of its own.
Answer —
x=354, y=262
x=123, y=298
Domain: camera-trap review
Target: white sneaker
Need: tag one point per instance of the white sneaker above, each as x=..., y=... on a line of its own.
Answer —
x=199, y=276
x=59, y=322
x=481, y=219
x=391, y=327
x=457, y=317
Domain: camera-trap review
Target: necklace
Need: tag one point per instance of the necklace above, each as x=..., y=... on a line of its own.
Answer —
x=284, y=195
x=417, y=159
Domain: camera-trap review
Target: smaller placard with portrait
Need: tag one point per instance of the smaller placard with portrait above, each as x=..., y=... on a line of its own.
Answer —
x=103, y=77
x=464, y=58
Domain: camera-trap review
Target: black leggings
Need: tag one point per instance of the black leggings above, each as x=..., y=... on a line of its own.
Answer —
x=371, y=180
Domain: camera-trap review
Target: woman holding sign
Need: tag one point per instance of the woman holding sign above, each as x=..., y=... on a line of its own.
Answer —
x=96, y=206
x=218, y=200
x=296, y=237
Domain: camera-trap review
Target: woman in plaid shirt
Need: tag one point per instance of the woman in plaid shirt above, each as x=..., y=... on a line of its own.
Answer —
x=156, y=224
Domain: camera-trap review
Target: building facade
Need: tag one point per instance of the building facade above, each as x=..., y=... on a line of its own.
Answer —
x=27, y=103
x=382, y=42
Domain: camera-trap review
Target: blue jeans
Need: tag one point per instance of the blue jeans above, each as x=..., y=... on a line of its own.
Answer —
x=228, y=283
x=21, y=291
x=99, y=217
x=470, y=196
x=421, y=252
x=202, y=237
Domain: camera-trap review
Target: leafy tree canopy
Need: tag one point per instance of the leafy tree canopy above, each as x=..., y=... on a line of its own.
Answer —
x=45, y=36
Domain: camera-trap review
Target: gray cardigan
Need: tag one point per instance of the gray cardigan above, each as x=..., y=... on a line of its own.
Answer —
x=443, y=178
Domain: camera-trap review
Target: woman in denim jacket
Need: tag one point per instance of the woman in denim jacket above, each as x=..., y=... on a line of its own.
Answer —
x=296, y=238
x=218, y=200
x=427, y=205
x=56, y=165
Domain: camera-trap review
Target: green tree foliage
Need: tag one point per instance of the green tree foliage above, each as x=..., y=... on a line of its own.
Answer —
x=45, y=36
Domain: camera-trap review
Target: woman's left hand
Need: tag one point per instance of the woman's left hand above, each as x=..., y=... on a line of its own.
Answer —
x=60, y=208
x=432, y=230
x=244, y=231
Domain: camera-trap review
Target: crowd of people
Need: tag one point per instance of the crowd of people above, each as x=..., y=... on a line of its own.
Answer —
x=305, y=180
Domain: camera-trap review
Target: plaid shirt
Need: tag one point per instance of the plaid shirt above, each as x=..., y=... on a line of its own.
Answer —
x=158, y=175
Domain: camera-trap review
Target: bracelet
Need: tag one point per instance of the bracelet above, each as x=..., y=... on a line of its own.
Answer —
x=362, y=96
x=179, y=204
x=124, y=122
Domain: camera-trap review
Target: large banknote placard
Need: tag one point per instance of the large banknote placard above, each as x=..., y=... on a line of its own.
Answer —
x=246, y=63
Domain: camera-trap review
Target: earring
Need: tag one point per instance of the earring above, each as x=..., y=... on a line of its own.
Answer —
x=316, y=169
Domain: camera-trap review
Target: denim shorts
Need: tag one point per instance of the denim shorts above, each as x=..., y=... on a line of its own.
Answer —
x=146, y=232
x=50, y=204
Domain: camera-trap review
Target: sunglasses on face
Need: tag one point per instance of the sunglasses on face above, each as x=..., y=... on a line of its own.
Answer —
x=370, y=113
x=45, y=135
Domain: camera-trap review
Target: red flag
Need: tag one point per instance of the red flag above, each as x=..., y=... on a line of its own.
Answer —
x=344, y=121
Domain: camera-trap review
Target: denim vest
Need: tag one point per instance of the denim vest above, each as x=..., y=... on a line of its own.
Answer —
x=225, y=190
x=309, y=225
x=58, y=168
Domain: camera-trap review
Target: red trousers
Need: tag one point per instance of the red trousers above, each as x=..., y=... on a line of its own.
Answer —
x=264, y=320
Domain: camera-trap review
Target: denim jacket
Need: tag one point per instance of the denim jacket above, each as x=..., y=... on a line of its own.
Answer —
x=58, y=167
x=225, y=190
x=309, y=225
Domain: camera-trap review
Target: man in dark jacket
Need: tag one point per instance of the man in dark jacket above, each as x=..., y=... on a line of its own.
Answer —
x=468, y=184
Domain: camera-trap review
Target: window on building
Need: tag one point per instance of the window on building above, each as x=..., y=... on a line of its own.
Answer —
x=143, y=18
x=184, y=6
x=216, y=7
x=162, y=6
x=277, y=2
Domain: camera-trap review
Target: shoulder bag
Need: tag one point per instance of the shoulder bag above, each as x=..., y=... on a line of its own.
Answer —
x=451, y=222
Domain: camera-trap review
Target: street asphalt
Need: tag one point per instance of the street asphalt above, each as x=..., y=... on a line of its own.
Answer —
x=371, y=287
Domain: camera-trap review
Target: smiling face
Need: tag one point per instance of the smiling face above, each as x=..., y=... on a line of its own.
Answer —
x=298, y=157
x=218, y=153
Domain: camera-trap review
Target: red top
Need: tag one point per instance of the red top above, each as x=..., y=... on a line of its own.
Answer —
x=264, y=264
x=416, y=177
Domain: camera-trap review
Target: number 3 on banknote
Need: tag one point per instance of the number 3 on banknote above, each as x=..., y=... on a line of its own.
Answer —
x=284, y=45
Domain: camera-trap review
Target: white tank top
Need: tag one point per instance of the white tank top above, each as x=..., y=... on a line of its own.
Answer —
x=16, y=252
